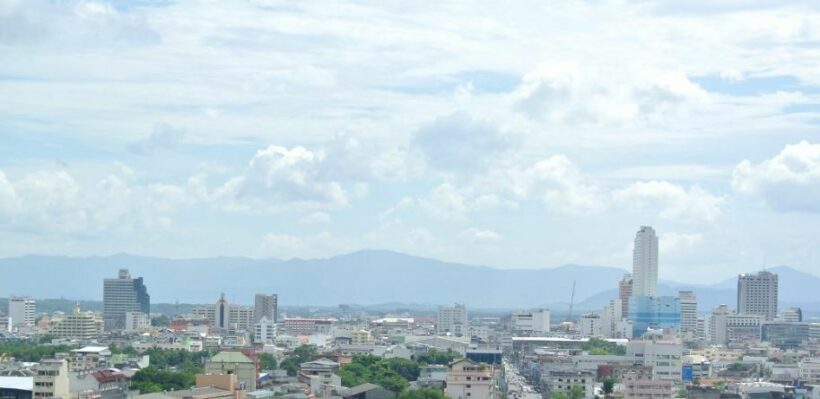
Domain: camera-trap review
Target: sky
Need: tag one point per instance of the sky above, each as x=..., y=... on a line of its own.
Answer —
x=508, y=134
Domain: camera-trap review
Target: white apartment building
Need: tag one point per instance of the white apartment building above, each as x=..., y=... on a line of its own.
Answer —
x=78, y=325
x=480, y=332
x=51, y=380
x=688, y=312
x=590, y=325
x=452, y=320
x=467, y=379
x=563, y=380
x=810, y=370
x=726, y=327
x=531, y=322
x=136, y=321
x=22, y=311
x=663, y=356
x=645, y=263
x=757, y=294
x=224, y=315
x=361, y=337
x=264, y=332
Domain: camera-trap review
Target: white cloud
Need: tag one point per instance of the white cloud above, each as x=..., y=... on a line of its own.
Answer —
x=278, y=177
x=163, y=136
x=789, y=181
x=582, y=94
x=557, y=183
x=674, y=242
x=479, y=236
x=448, y=202
x=316, y=218
x=673, y=202
x=458, y=142
x=287, y=246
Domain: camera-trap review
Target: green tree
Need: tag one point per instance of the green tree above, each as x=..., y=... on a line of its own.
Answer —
x=609, y=385
x=160, y=321
x=425, y=393
x=267, y=361
x=152, y=379
x=559, y=395
x=576, y=392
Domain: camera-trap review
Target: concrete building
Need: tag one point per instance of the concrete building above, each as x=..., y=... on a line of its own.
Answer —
x=264, y=332
x=663, y=356
x=300, y=326
x=645, y=263
x=266, y=306
x=688, y=312
x=123, y=294
x=234, y=362
x=757, y=294
x=367, y=391
x=531, y=322
x=590, y=325
x=224, y=315
x=482, y=333
x=51, y=380
x=624, y=293
x=452, y=320
x=562, y=381
x=810, y=370
x=361, y=337
x=89, y=358
x=467, y=379
x=792, y=315
x=726, y=327
x=22, y=311
x=639, y=387
x=77, y=325
x=137, y=321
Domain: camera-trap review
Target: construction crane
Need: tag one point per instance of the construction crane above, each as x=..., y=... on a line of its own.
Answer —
x=571, y=302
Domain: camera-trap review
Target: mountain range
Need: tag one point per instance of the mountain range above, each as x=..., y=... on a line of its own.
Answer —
x=367, y=277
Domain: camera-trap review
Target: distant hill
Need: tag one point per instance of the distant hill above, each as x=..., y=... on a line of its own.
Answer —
x=378, y=279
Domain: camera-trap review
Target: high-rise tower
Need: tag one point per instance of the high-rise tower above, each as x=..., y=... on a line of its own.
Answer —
x=645, y=263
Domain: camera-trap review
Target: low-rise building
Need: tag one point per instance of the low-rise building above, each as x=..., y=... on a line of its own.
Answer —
x=234, y=362
x=639, y=387
x=564, y=381
x=467, y=379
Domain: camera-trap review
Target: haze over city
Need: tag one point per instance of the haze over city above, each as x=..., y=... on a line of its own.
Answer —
x=508, y=135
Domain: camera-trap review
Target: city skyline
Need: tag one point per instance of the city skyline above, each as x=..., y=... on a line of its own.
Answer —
x=276, y=132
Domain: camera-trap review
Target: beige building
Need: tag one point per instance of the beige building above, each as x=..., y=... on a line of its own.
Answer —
x=361, y=337
x=51, y=380
x=234, y=362
x=638, y=387
x=467, y=379
x=78, y=325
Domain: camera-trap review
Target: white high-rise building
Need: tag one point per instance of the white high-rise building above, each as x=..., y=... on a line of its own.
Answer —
x=265, y=332
x=688, y=312
x=452, y=320
x=590, y=325
x=757, y=294
x=266, y=306
x=22, y=311
x=645, y=263
x=531, y=322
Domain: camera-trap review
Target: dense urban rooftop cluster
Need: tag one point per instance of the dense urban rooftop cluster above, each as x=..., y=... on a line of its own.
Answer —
x=641, y=345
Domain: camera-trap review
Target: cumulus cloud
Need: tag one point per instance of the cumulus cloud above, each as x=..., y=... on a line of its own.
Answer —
x=459, y=142
x=789, y=181
x=448, y=202
x=673, y=202
x=557, y=183
x=279, y=177
x=577, y=94
x=316, y=218
x=52, y=201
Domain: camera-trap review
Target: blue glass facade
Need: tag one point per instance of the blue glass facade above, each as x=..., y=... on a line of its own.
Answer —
x=655, y=312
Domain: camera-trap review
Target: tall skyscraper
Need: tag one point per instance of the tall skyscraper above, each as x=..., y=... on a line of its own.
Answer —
x=624, y=292
x=265, y=306
x=452, y=320
x=123, y=294
x=757, y=294
x=645, y=263
x=688, y=311
x=22, y=311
